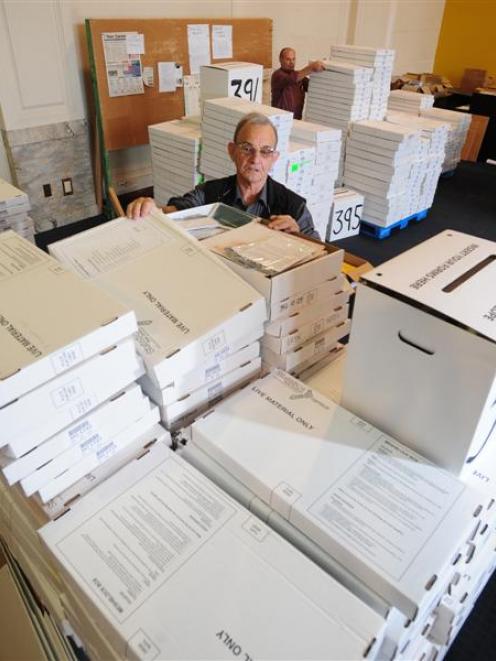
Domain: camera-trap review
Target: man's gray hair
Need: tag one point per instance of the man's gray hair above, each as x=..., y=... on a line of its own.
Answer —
x=255, y=119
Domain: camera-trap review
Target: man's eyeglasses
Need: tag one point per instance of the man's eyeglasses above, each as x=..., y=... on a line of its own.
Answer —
x=249, y=150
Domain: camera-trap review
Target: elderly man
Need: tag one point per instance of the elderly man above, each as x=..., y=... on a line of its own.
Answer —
x=254, y=152
x=289, y=86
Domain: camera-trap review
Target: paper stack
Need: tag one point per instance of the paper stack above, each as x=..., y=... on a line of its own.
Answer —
x=427, y=168
x=410, y=102
x=197, y=345
x=459, y=123
x=14, y=207
x=220, y=117
x=175, y=151
x=395, y=528
x=197, y=576
x=339, y=95
x=381, y=61
x=327, y=143
x=379, y=158
x=307, y=303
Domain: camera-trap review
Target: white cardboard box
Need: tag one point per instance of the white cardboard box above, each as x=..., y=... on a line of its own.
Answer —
x=381, y=510
x=50, y=320
x=173, y=283
x=325, y=321
x=205, y=374
x=116, y=412
x=421, y=360
x=240, y=79
x=31, y=419
x=280, y=287
x=172, y=609
x=315, y=346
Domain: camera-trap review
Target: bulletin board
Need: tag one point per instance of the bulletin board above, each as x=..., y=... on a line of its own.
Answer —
x=123, y=121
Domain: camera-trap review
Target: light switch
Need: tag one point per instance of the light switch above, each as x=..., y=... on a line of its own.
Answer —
x=67, y=186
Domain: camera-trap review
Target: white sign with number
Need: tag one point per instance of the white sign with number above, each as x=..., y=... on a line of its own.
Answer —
x=346, y=214
x=240, y=79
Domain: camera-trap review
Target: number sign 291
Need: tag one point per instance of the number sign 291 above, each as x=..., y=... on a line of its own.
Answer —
x=245, y=89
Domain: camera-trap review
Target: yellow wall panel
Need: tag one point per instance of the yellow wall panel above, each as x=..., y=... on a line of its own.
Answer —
x=467, y=38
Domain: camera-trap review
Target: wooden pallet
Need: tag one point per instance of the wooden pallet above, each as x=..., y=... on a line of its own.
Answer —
x=379, y=232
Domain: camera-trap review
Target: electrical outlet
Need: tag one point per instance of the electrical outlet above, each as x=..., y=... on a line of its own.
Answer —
x=67, y=186
x=47, y=190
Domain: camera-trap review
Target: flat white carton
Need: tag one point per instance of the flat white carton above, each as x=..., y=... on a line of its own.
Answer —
x=112, y=415
x=204, y=375
x=173, y=283
x=386, y=514
x=325, y=341
x=31, y=419
x=422, y=355
x=187, y=543
x=283, y=285
x=51, y=320
x=240, y=79
x=194, y=403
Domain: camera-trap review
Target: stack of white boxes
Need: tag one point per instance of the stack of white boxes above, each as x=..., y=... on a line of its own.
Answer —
x=327, y=143
x=175, y=150
x=307, y=305
x=220, y=117
x=459, y=123
x=69, y=403
x=398, y=531
x=379, y=158
x=427, y=168
x=14, y=207
x=339, y=95
x=197, y=345
x=381, y=61
x=158, y=562
x=411, y=102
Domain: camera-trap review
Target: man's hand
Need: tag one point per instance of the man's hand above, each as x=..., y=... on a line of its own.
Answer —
x=316, y=66
x=283, y=224
x=140, y=207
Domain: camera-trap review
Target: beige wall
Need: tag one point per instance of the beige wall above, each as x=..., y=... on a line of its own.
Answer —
x=40, y=49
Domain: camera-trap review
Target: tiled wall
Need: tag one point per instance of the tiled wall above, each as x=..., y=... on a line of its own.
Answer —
x=45, y=155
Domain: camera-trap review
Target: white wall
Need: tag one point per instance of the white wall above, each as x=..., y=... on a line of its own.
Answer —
x=40, y=49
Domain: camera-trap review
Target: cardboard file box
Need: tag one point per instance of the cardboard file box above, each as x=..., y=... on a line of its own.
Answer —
x=50, y=319
x=39, y=414
x=192, y=544
x=390, y=517
x=282, y=286
x=422, y=354
x=173, y=283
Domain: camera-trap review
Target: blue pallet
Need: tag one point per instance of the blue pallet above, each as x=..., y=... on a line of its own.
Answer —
x=378, y=232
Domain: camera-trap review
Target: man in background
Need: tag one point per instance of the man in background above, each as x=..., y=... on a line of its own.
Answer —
x=253, y=151
x=289, y=86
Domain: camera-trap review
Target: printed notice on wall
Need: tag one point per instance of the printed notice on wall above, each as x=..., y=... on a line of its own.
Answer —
x=222, y=47
x=192, y=95
x=198, y=46
x=387, y=505
x=164, y=519
x=123, y=68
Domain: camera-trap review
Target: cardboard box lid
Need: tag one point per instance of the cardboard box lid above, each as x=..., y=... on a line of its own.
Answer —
x=50, y=319
x=343, y=483
x=452, y=274
x=171, y=280
x=221, y=548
